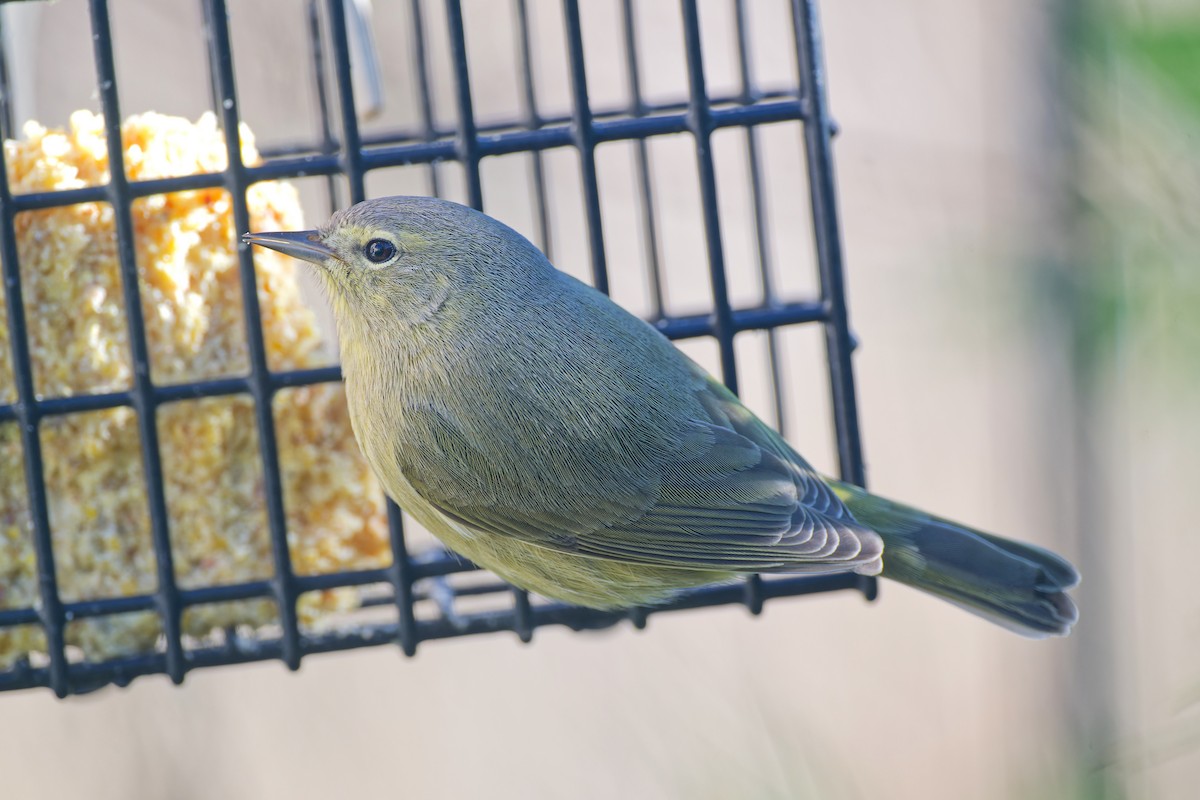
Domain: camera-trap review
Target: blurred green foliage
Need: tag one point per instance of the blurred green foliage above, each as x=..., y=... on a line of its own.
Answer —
x=1170, y=53
x=1135, y=288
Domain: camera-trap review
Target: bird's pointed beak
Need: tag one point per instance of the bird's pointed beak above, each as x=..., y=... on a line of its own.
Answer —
x=304, y=245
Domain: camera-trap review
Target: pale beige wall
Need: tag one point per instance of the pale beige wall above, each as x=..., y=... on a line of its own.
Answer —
x=949, y=189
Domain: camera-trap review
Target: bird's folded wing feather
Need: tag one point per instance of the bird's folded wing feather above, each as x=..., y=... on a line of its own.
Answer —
x=725, y=492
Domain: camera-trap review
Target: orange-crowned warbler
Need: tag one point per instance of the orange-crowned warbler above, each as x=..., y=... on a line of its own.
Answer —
x=545, y=433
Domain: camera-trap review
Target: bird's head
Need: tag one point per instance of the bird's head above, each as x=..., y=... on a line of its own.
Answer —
x=400, y=261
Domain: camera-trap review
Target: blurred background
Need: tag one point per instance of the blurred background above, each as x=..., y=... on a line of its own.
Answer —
x=1019, y=192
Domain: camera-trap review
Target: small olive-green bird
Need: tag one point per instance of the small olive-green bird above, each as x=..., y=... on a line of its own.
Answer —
x=548, y=435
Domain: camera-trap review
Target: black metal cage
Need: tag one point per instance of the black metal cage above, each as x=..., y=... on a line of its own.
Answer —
x=344, y=151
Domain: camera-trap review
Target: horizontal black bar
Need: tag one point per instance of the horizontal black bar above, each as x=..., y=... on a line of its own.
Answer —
x=218, y=387
x=79, y=404
x=298, y=167
x=83, y=403
x=689, y=327
x=752, y=319
x=190, y=597
x=562, y=136
x=251, y=590
x=438, y=563
x=100, y=194
x=404, y=135
x=88, y=676
x=84, y=609
x=338, y=580
x=12, y=617
x=435, y=563
x=418, y=595
x=111, y=605
x=423, y=152
x=306, y=377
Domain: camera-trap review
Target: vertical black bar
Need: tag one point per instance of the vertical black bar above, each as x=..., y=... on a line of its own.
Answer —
x=119, y=195
x=6, y=100
x=468, y=155
x=753, y=590
x=351, y=156
x=762, y=239
x=533, y=121
x=50, y=611
x=262, y=388
x=421, y=62
x=352, y=166
x=468, y=143
x=700, y=124
x=585, y=141
x=401, y=575
x=642, y=166
x=818, y=133
x=328, y=145
x=818, y=128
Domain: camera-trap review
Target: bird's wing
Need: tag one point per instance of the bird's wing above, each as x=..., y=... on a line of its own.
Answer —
x=724, y=493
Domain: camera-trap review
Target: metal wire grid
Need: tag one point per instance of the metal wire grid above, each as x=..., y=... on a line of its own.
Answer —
x=348, y=153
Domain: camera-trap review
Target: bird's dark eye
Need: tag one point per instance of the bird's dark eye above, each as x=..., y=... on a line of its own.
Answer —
x=379, y=250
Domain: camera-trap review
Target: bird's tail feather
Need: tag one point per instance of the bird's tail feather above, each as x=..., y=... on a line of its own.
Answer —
x=1019, y=586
